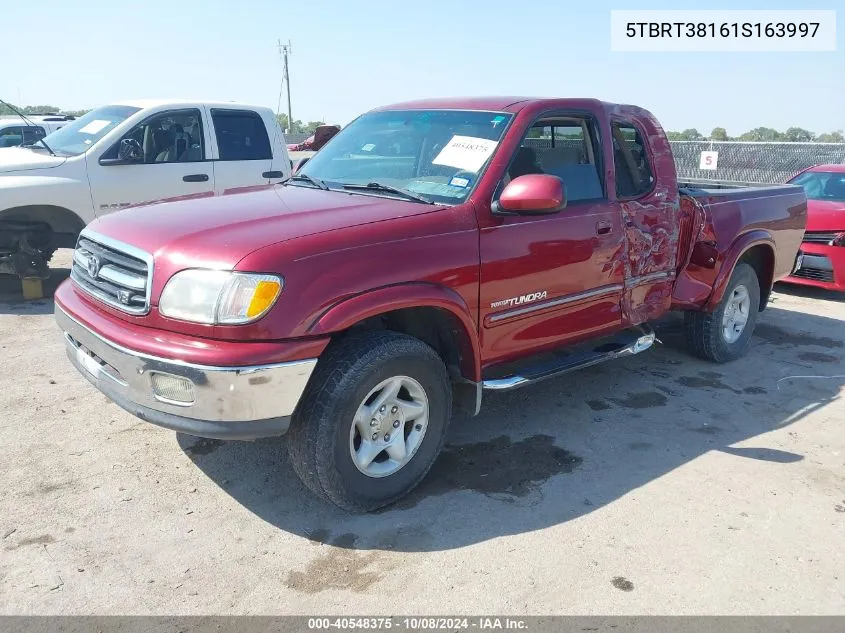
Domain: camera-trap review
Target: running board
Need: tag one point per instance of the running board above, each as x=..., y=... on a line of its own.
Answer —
x=627, y=343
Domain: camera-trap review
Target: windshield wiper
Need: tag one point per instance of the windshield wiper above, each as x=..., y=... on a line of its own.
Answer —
x=28, y=122
x=47, y=147
x=377, y=186
x=314, y=181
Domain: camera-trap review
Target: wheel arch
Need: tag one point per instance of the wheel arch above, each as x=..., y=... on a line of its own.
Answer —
x=434, y=314
x=755, y=248
x=65, y=224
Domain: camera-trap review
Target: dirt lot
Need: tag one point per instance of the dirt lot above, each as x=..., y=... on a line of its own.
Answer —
x=656, y=484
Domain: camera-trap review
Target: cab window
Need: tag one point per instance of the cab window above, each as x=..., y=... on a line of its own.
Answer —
x=630, y=158
x=175, y=136
x=564, y=147
x=11, y=136
x=241, y=135
x=32, y=133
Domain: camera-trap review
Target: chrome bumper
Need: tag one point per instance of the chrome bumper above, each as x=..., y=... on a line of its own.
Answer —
x=222, y=402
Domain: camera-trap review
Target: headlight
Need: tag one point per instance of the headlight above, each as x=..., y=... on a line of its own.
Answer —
x=219, y=296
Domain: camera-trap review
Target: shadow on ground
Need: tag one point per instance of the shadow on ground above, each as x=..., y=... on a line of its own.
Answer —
x=553, y=452
x=809, y=292
x=11, y=294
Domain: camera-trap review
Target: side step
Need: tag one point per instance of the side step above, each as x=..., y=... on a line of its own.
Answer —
x=626, y=343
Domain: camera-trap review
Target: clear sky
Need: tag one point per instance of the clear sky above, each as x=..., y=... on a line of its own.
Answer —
x=349, y=56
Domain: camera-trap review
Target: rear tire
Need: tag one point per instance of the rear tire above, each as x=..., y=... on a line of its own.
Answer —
x=724, y=334
x=337, y=439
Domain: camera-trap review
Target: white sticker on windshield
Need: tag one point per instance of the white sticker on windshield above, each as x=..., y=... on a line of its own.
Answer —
x=369, y=147
x=94, y=127
x=466, y=152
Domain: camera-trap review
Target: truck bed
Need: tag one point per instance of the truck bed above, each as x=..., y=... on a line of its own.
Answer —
x=726, y=217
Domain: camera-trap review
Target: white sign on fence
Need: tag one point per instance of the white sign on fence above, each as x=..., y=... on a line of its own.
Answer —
x=708, y=160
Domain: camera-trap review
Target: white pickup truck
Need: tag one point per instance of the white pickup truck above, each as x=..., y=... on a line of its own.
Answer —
x=123, y=155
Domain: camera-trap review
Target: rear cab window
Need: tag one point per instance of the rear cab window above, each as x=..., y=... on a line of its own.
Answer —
x=241, y=135
x=32, y=134
x=631, y=161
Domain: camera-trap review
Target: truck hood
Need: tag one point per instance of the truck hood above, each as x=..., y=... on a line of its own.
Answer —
x=825, y=215
x=218, y=231
x=14, y=159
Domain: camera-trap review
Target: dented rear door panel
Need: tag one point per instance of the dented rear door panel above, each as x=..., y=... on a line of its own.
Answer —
x=651, y=222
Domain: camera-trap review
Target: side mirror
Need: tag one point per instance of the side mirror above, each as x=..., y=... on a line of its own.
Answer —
x=532, y=194
x=300, y=164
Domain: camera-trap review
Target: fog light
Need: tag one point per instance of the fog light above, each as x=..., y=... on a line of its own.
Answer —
x=174, y=389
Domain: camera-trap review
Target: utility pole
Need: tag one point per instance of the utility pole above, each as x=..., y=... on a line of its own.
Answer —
x=284, y=51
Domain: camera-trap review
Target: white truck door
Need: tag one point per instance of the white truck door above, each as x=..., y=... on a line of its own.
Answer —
x=164, y=156
x=244, y=155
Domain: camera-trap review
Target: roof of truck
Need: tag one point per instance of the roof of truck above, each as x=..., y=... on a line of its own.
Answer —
x=485, y=104
x=155, y=103
x=831, y=167
x=492, y=104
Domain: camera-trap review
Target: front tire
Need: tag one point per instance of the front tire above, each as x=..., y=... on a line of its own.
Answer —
x=372, y=420
x=724, y=334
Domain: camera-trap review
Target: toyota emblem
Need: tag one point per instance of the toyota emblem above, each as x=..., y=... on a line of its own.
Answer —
x=93, y=266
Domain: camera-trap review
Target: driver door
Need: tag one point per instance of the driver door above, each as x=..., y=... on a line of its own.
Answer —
x=170, y=162
x=550, y=280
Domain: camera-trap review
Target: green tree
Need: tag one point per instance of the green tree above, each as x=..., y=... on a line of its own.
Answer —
x=40, y=109
x=831, y=137
x=691, y=134
x=674, y=136
x=762, y=134
x=4, y=110
x=798, y=135
x=298, y=126
x=719, y=134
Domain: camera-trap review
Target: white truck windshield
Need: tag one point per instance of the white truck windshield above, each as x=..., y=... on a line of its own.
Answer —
x=76, y=137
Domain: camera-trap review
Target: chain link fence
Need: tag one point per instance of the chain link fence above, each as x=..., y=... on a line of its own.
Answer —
x=753, y=162
x=296, y=137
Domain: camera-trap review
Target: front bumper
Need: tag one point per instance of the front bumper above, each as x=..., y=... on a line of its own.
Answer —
x=822, y=266
x=239, y=403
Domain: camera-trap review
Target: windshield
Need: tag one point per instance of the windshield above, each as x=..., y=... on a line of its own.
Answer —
x=438, y=155
x=77, y=137
x=822, y=185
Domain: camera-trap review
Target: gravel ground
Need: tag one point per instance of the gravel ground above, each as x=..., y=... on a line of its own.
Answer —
x=655, y=484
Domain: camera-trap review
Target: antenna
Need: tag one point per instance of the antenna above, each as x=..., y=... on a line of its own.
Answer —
x=284, y=51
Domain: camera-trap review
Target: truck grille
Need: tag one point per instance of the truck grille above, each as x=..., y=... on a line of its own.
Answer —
x=819, y=237
x=115, y=273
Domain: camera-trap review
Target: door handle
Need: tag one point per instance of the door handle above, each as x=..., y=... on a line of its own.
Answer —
x=273, y=174
x=603, y=227
x=195, y=178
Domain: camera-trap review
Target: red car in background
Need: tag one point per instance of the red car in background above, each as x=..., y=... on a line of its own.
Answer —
x=320, y=137
x=823, y=248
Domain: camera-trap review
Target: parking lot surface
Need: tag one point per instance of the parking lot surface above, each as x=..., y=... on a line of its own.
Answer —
x=654, y=484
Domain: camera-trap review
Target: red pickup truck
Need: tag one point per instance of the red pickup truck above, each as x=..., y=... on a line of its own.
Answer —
x=430, y=251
